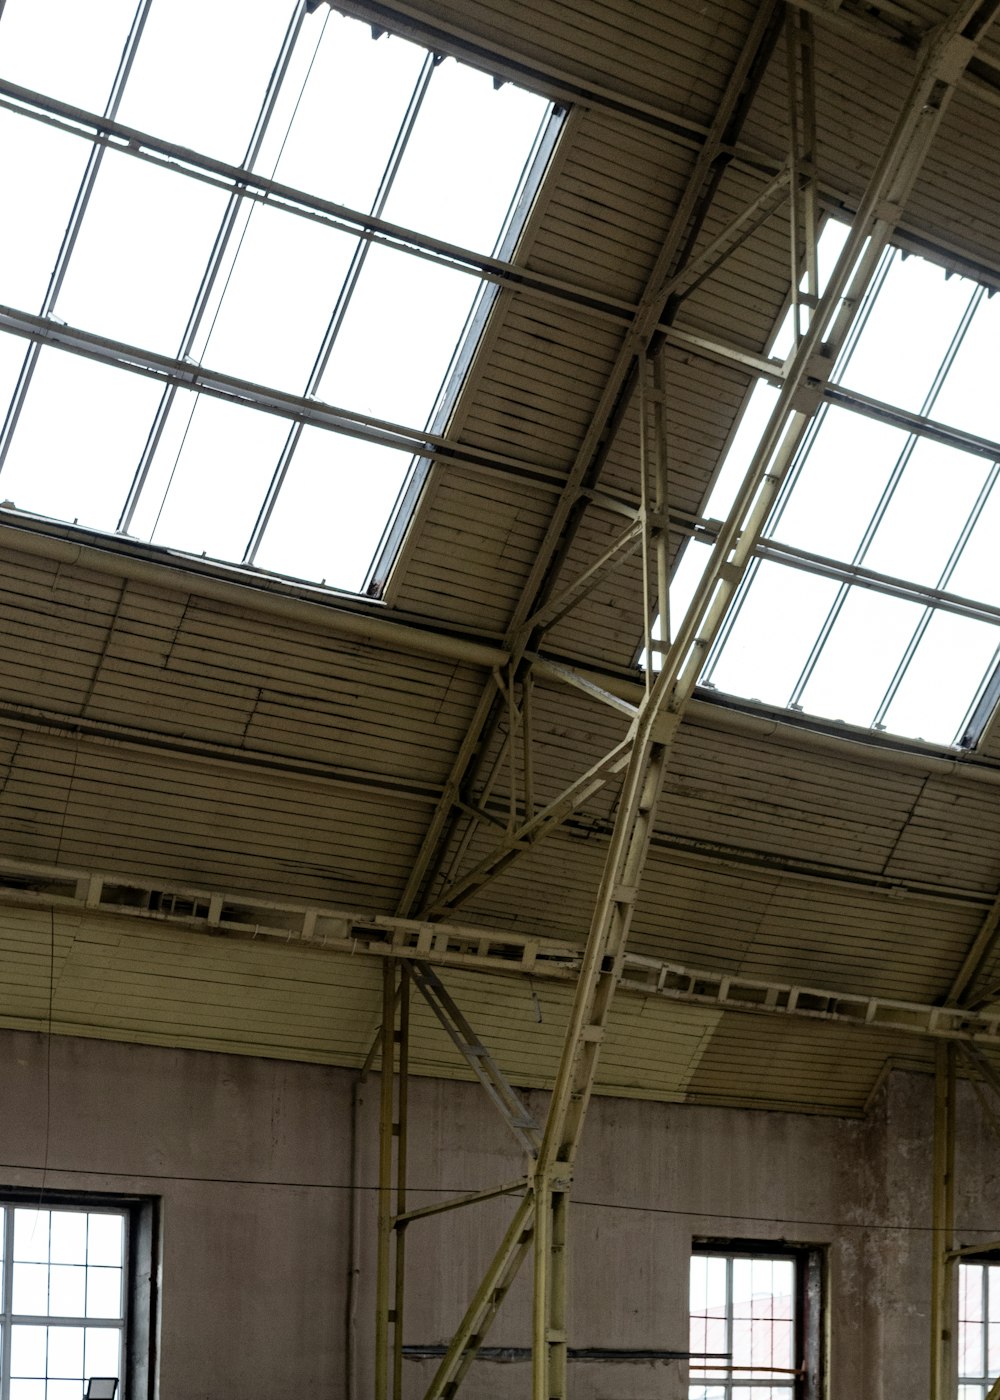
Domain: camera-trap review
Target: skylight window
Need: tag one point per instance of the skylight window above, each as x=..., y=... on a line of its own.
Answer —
x=873, y=596
x=164, y=254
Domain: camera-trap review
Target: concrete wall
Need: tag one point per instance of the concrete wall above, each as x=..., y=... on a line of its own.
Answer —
x=253, y=1163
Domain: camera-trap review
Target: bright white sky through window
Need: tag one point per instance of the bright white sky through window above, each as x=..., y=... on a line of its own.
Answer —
x=863, y=493
x=151, y=257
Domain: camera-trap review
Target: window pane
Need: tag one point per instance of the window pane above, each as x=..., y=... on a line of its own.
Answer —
x=970, y=1349
x=977, y=572
x=69, y=1237
x=31, y=1234
x=79, y=440
x=993, y=1349
x=38, y=209
x=839, y=485
x=104, y=1239
x=27, y=1390
x=907, y=333
x=356, y=84
x=708, y=1284
x=398, y=337
x=927, y=513
x=101, y=1352
x=65, y=49
x=66, y=1351
x=968, y=396
x=331, y=510
x=66, y=1290
x=488, y=135
x=773, y=634
x=27, y=1351
x=686, y=577
x=755, y=418
x=64, y=1390
x=971, y=1278
x=104, y=1292
x=277, y=300
x=31, y=1289
x=12, y=353
x=218, y=481
x=139, y=258
x=943, y=678
x=201, y=71
x=862, y=652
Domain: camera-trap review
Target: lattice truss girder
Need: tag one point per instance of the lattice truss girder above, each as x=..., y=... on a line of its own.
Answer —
x=501, y=741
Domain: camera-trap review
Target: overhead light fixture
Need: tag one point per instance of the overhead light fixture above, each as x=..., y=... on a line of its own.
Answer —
x=101, y=1388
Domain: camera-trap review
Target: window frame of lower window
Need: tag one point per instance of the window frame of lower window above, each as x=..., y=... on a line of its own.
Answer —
x=141, y=1282
x=811, y=1291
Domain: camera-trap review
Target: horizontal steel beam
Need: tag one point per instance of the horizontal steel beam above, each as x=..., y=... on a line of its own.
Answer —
x=469, y=947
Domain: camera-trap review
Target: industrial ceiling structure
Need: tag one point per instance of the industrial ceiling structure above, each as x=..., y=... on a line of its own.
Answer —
x=240, y=810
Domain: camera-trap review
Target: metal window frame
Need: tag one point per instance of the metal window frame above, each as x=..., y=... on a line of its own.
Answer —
x=248, y=187
x=135, y=1324
x=987, y=693
x=988, y=1261
x=809, y=1319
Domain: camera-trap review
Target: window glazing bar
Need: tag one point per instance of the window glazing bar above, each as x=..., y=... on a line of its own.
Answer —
x=895, y=477
x=946, y=573
x=852, y=399
x=276, y=401
x=858, y=576
x=185, y=161
x=214, y=266
x=72, y=233
x=339, y=311
x=522, y=204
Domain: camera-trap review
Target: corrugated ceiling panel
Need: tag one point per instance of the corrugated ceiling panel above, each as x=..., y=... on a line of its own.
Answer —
x=124, y=653
x=953, y=836
x=681, y=56
x=736, y=791
x=112, y=807
x=822, y=1069
x=127, y=981
x=157, y=984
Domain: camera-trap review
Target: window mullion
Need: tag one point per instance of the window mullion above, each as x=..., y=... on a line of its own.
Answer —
x=879, y=513
x=343, y=301
x=73, y=228
x=8, y=1294
x=942, y=583
x=729, y=1324
x=213, y=267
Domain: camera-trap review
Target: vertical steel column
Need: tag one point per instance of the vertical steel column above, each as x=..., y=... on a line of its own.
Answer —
x=944, y=1376
x=399, y=1231
x=383, y=1266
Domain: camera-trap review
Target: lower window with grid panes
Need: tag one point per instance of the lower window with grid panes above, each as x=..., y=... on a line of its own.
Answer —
x=76, y=1289
x=756, y=1321
x=978, y=1328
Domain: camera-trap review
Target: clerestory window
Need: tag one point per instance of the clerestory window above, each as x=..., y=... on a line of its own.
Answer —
x=204, y=340
x=874, y=596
